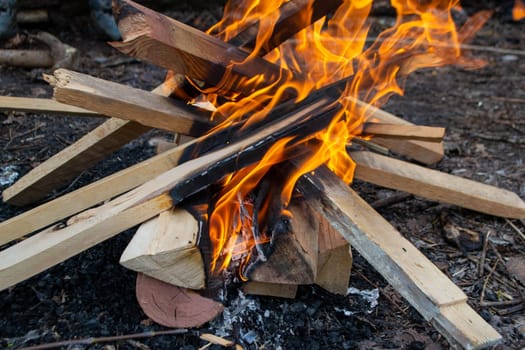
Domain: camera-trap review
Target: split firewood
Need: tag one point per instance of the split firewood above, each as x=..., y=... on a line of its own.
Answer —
x=70, y=162
x=435, y=185
x=399, y=131
x=125, y=102
x=25, y=58
x=204, y=59
x=418, y=280
x=42, y=105
x=334, y=260
x=165, y=248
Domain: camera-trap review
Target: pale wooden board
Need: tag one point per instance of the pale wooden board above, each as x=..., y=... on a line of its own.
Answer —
x=128, y=103
x=418, y=280
x=70, y=162
x=165, y=248
x=436, y=185
x=41, y=251
x=88, y=196
x=41, y=105
x=422, y=151
x=74, y=159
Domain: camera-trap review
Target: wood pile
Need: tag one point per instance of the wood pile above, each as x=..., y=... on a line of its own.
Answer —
x=327, y=219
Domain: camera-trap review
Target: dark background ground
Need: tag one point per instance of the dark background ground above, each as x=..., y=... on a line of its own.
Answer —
x=92, y=295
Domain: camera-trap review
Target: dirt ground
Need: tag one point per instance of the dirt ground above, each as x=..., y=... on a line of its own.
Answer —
x=91, y=295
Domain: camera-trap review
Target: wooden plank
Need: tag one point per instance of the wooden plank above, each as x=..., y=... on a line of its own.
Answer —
x=422, y=151
x=165, y=248
x=418, y=280
x=70, y=162
x=435, y=185
x=88, y=196
x=41, y=251
x=124, y=102
x=74, y=159
x=334, y=261
x=41, y=105
x=188, y=51
x=400, y=131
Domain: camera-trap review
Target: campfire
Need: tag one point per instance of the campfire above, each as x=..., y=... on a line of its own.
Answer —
x=282, y=105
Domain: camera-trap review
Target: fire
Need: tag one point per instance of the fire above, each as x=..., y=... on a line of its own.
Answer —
x=518, y=12
x=330, y=50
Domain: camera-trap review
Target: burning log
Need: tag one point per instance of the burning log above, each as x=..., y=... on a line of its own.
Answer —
x=187, y=50
x=165, y=247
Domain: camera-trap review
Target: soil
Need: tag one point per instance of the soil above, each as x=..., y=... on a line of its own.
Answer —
x=91, y=295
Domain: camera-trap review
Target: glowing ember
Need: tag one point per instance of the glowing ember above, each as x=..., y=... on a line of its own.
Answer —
x=518, y=12
x=424, y=35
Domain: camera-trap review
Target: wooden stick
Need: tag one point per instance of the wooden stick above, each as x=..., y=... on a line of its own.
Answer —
x=400, y=131
x=128, y=103
x=41, y=251
x=42, y=105
x=435, y=185
x=59, y=169
x=422, y=151
x=71, y=161
x=89, y=195
x=26, y=58
x=401, y=264
x=165, y=248
x=188, y=51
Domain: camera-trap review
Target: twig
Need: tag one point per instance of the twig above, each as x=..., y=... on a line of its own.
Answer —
x=212, y=339
x=518, y=231
x=89, y=341
x=482, y=296
x=483, y=255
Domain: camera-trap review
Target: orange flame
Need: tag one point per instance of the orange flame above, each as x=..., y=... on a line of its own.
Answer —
x=424, y=35
x=518, y=12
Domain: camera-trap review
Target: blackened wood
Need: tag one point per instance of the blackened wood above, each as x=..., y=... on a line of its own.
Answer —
x=291, y=21
x=158, y=39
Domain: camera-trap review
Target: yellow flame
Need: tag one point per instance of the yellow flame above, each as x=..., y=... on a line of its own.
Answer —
x=424, y=35
x=518, y=12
